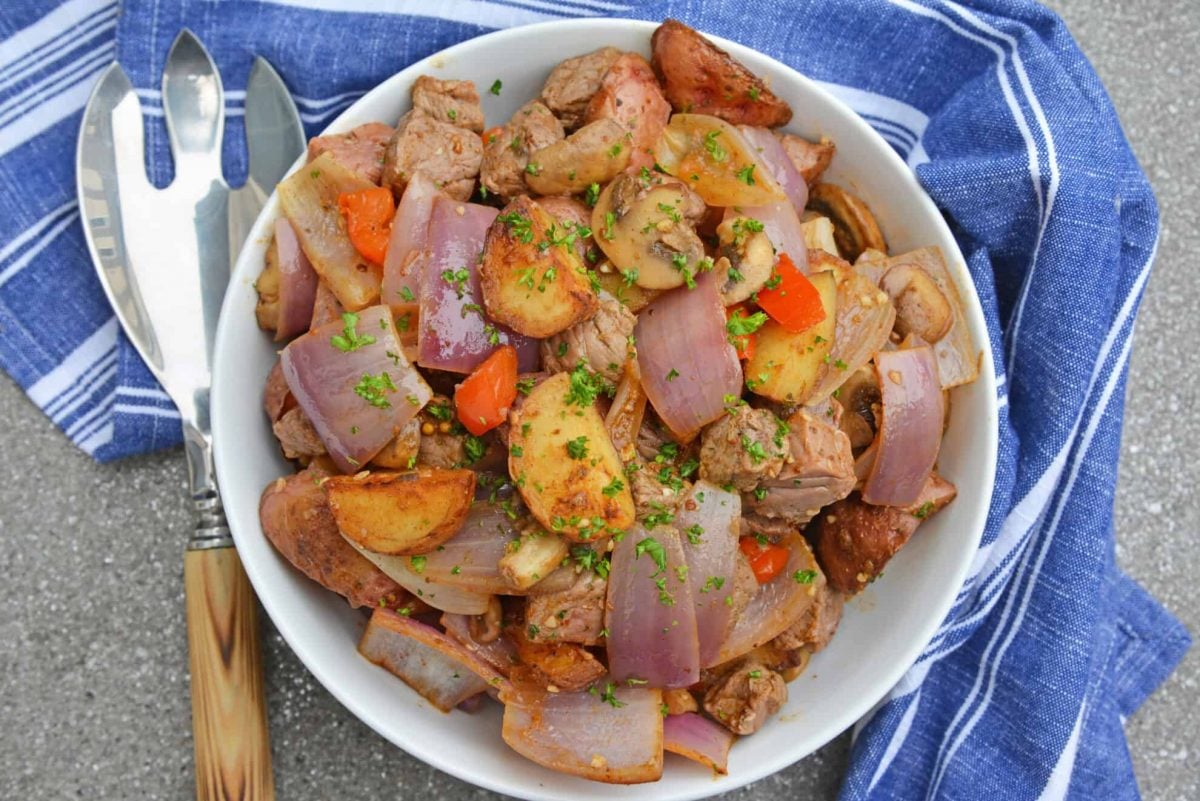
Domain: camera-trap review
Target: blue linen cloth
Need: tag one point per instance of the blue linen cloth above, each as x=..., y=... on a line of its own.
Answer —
x=1049, y=647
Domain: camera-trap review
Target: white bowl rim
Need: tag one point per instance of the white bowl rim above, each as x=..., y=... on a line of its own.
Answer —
x=898, y=664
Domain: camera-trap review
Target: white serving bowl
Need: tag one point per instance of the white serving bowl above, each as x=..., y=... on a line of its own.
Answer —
x=883, y=630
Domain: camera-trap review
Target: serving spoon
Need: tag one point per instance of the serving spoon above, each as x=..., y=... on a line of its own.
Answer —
x=163, y=258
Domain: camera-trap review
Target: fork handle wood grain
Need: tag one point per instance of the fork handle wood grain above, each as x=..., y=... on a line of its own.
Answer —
x=229, y=710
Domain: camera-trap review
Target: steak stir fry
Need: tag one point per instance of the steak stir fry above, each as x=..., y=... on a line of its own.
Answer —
x=602, y=411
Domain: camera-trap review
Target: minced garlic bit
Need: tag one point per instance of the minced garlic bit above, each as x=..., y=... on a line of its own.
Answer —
x=895, y=377
x=598, y=761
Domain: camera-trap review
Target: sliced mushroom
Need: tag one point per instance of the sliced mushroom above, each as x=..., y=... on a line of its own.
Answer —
x=855, y=228
x=860, y=400
x=921, y=308
x=747, y=259
x=593, y=154
x=645, y=226
x=267, y=286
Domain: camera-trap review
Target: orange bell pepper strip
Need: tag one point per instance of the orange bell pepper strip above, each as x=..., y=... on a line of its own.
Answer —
x=369, y=214
x=766, y=560
x=792, y=300
x=484, y=398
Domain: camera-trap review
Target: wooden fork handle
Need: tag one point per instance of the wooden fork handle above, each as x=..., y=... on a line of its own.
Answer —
x=229, y=710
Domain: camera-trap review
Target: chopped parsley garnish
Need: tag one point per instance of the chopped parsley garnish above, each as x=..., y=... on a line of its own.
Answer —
x=609, y=220
x=519, y=226
x=746, y=175
x=591, y=195
x=439, y=411
x=924, y=510
x=804, y=576
x=659, y=517
x=656, y=551
x=608, y=696
x=406, y=294
x=613, y=487
x=715, y=151
x=672, y=374
x=457, y=279
x=350, y=340
x=629, y=277
x=561, y=350
x=418, y=564
x=614, y=151
x=739, y=324
x=533, y=168
x=584, y=386
x=588, y=559
x=713, y=583
x=754, y=448
x=525, y=385
x=474, y=447
x=452, y=114
x=516, y=450
x=371, y=388
x=672, y=213
x=752, y=93
x=497, y=85
x=577, y=448
x=694, y=533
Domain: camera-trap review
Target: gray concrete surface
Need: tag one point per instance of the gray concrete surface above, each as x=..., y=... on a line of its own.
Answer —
x=93, y=688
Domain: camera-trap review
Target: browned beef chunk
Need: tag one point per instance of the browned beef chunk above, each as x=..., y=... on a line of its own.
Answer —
x=296, y=518
x=506, y=151
x=562, y=665
x=854, y=540
x=447, y=154
x=629, y=93
x=360, y=149
x=745, y=696
x=575, y=614
x=573, y=83
x=602, y=342
x=819, y=471
x=455, y=102
x=809, y=158
x=297, y=436
x=816, y=626
x=744, y=449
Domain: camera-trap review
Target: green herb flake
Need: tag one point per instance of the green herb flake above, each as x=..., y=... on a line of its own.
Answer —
x=350, y=340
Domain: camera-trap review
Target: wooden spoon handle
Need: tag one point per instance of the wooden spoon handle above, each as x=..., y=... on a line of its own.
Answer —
x=229, y=709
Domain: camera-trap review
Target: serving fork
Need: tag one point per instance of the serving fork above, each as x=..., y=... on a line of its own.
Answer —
x=164, y=257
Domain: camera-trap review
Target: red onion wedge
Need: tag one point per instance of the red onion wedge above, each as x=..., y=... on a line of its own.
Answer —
x=779, y=603
x=696, y=737
x=687, y=365
x=354, y=384
x=710, y=520
x=910, y=432
x=500, y=653
x=410, y=233
x=453, y=334
x=409, y=574
x=651, y=618
x=309, y=200
x=435, y=665
x=774, y=160
x=470, y=559
x=297, y=283
x=612, y=733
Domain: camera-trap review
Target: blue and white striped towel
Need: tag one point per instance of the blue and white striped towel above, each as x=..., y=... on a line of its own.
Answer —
x=1024, y=690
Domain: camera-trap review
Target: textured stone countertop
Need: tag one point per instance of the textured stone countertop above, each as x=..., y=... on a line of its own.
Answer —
x=93, y=684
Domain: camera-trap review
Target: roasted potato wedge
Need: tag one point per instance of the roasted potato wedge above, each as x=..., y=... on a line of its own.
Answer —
x=700, y=77
x=575, y=490
x=532, y=277
x=854, y=226
x=309, y=199
x=401, y=513
x=593, y=154
x=787, y=365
